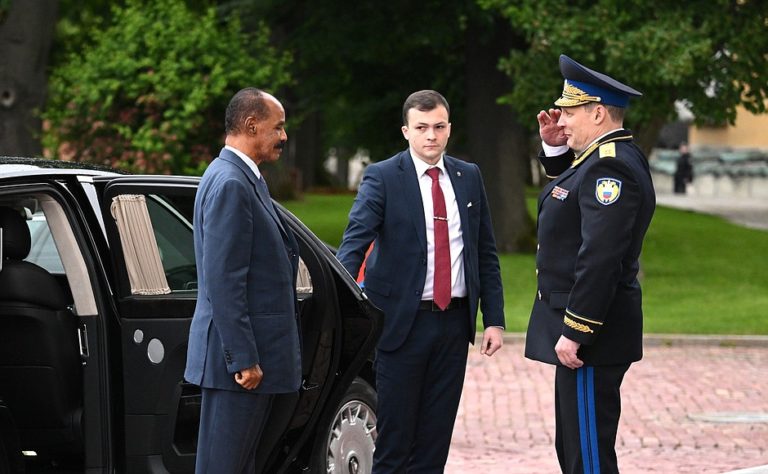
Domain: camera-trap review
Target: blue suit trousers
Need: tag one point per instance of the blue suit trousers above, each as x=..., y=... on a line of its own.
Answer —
x=231, y=424
x=419, y=387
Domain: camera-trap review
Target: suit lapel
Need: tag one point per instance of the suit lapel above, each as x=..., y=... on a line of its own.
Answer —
x=260, y=187
x=459, y=183
x=409, y=183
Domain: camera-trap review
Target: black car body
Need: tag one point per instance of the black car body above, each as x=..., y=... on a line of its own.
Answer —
x=96, y=385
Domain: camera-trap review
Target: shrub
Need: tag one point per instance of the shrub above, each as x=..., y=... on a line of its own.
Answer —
x=149, y=93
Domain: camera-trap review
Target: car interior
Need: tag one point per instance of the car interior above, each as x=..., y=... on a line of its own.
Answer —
x=44, y=290
x=40, y=369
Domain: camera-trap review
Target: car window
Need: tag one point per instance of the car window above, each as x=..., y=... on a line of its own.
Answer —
x=55, y=248
x=156, y=237
x=170, y=218
x=43, y=250
x=173, y=233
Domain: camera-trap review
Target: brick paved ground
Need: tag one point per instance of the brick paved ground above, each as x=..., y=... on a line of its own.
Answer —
x=505, y=423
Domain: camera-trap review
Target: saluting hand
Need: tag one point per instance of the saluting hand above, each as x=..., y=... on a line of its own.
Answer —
x=249, y=378
x=566, y=351
x=492, y=341
x=551, y=133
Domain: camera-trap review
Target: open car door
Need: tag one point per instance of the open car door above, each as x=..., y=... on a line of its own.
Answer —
x=148, y=223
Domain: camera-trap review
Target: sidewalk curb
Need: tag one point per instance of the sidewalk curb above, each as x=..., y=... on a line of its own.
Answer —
x=672, y=340
x=751, y=470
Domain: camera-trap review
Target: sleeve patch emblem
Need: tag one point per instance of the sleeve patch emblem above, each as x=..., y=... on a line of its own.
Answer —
x=607, y=191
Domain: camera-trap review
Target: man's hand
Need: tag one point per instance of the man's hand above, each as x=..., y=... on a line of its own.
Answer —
x=566, y=350
x=551, y=133
x=249, y=378
x=492, y=340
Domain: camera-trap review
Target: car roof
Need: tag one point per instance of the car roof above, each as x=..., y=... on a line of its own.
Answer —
x=13, y=166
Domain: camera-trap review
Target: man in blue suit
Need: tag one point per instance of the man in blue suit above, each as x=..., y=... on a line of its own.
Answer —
x=244, y=338
x=433, y=260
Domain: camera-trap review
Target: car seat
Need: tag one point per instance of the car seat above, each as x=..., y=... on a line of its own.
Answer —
x=40, y=364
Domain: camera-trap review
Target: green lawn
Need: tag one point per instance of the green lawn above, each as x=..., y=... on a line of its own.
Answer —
x=700, y=274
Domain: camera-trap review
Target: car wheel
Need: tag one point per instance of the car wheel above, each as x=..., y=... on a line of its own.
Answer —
x=346, y=447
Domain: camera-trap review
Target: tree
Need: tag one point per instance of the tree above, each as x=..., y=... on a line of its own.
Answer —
x=712, y=55
x=149, y=94
x=26, y=33
x=356, y=62
x=495, y=138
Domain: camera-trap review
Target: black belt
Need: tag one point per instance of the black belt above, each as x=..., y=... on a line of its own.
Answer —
x=429, y=305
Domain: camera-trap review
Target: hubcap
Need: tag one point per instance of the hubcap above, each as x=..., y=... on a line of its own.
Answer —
x=351, y=440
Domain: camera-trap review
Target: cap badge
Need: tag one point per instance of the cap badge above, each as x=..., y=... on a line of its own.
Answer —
x=573, y=96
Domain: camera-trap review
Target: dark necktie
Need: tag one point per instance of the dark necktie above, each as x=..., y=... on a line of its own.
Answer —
x=442, y=284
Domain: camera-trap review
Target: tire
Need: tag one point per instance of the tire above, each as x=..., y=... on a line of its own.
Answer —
x=346, y=445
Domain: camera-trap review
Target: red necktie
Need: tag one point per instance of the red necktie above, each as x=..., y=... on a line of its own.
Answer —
x=442, y=284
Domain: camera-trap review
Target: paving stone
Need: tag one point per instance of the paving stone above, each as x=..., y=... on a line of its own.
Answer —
x=505, y=423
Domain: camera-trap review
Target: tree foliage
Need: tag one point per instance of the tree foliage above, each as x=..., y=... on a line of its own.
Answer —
x=356, y=62
x=149, y=93
x=710, y=54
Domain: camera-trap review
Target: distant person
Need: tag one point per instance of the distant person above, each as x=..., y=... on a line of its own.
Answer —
x=434, y=260
x=244, y=339
x=587, y=317
x=683, y=170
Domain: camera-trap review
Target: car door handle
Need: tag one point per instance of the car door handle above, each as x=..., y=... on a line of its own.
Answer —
x=82, y=339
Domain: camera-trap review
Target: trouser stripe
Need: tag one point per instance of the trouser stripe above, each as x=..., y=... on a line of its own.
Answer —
x=585, y=389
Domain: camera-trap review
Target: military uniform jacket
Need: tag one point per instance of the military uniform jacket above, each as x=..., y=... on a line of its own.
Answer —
x=592, y=220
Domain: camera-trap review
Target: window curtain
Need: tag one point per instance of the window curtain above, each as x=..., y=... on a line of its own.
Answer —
x=142, y=256
x=303, y=280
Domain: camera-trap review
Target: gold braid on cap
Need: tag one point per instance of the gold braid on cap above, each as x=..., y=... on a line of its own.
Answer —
x=573, y=96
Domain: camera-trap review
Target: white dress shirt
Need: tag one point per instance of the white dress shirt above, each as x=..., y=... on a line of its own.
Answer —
x=456, y=242
x=249, y=162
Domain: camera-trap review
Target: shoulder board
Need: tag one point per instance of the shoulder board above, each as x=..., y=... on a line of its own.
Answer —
x=608, y=150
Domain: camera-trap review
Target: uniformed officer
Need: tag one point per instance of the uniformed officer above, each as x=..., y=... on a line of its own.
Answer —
x=593, y=215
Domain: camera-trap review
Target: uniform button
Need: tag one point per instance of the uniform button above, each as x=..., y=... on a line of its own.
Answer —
x=538, y=246
x=537, y=271
x=418, y=292
x=539, y=292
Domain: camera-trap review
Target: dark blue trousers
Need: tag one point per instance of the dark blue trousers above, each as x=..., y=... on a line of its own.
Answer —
x=587, y=410
x=231, y=424
x=419, y=388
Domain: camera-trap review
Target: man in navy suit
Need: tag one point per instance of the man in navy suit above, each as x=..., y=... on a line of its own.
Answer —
x=433, y=260
x=587, y=318
x=244, y=339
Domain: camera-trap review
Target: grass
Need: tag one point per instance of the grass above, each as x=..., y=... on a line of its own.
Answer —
x=700, y=274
